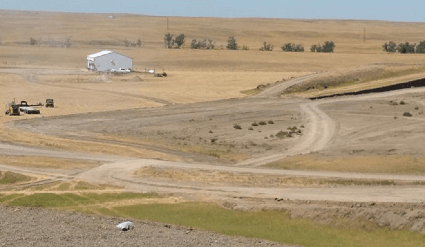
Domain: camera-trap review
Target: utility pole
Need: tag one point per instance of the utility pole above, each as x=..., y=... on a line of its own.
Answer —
x=364, y=35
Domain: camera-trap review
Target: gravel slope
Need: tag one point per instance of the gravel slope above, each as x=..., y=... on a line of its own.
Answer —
x=44, y=227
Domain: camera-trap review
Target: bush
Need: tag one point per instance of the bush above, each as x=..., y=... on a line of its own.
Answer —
x=266, y=47
x=288, y=47
x=406, y=48
x=231, y=43
x=254, y=124
x=407, y=114
x=262, y=123
x=327, y=47
x=270, y=122
x=33, y=41
x=389, y=47
x=237, y=126
x=202, y=44
x=245, y=48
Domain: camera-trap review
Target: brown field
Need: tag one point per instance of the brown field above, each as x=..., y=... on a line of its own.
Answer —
x=214, y=109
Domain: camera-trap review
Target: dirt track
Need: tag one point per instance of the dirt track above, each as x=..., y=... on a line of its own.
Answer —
x=319, y=131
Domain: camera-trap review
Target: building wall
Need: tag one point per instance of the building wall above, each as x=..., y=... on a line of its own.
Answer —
x=112, y=61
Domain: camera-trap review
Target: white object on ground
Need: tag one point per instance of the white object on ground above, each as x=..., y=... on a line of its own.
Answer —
x=125, y=226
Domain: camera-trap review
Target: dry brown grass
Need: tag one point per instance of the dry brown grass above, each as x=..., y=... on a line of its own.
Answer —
x=366, y=164
x=46, y=162
x=255, y=180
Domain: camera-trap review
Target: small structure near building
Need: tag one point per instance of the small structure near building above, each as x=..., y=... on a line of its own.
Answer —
x=109, y=61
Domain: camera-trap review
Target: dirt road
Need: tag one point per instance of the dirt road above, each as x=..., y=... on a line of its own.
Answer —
x=318, y=133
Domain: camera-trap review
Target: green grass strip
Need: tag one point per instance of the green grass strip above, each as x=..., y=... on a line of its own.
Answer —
x=271, y=225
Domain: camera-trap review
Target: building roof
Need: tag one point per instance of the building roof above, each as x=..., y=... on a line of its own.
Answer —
x=99, y=54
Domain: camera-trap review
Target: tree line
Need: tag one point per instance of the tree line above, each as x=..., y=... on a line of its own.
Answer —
x=405, y=47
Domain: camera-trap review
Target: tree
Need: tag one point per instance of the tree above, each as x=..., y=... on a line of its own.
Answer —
x=389, y=47
x=139, y=43
x=406, y=48
x=180, y=40
x=266, y=47
x=168, y=40
x=421, y=47
x=313, y=48
x=329, y=46
x=231, y=43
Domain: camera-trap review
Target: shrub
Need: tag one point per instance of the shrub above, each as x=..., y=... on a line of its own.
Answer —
x=402, y=102
x=245, y=48
x=406, y=48
x=213, y=140
x=237, y=126
x=254, y=124
x=389, y=47
x=327, y=47
x=33, y=41
x=250, y=128
x=231, y=43
x=262, y=123
x=266, y=47
x=288, y=47
x=270, y=122
x=407, y=114
x=202, y=44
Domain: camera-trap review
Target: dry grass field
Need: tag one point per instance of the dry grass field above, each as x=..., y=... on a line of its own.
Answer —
x=200, y=114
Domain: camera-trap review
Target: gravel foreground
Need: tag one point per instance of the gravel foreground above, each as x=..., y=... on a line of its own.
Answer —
x=20, y=226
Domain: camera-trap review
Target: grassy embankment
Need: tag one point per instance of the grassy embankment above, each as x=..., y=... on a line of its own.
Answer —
x=271, y=225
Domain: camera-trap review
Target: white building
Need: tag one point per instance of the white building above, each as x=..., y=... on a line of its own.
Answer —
x=107, y=61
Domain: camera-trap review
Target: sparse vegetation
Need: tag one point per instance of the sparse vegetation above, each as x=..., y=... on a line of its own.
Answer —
x=12, y=178
x=288, y=47
x=128, y=43
x=327, y=47
x=266, y=47
x=202, y=44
